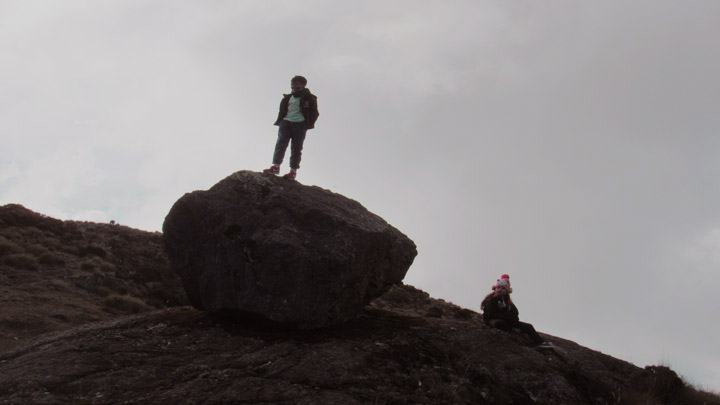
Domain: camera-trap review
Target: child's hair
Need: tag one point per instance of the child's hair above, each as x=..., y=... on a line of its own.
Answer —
x=299, y=79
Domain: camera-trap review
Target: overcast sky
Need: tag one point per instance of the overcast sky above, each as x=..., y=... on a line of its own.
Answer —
x=573, y=145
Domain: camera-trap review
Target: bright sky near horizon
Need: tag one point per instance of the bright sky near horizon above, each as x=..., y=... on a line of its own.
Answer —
x=573, y=145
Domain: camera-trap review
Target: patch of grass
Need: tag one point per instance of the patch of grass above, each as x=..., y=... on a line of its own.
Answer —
x=21, y=261
x=7, y=247
x=147, y=274
x=661, y=385
x=101, y=291
x=126, y=304
x=36, y=250
x=89, y=265
x=99, y=284
x=70, y=249
x=162, y=296
x=96, y=264
x=695, y=395
x=30, y=232
x=90, y=250
x=51, y=259
x=51, y=243
x=59, y=285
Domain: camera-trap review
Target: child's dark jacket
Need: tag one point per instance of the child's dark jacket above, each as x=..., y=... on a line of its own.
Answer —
x=500, y=307
x=308, y=107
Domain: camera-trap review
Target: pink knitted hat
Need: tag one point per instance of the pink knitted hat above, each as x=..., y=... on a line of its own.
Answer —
x=504, y=280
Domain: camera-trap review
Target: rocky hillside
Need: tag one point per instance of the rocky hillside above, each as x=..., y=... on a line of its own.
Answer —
x=92, y=314
x=58, y=274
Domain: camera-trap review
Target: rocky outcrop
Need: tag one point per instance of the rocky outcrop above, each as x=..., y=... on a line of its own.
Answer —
x=292, y=254
x=405, y=347
x=393, y=352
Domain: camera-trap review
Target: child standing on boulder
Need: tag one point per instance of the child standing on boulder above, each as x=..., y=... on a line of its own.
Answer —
x=298, y=113
x=500, y=312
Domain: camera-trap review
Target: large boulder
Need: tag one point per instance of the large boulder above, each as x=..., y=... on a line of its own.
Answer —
x=291, y=254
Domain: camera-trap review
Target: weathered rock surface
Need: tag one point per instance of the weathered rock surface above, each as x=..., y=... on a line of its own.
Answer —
x=293, y=254
x=404, y=348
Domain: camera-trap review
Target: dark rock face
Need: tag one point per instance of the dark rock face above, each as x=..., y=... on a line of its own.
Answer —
x=291, y=254
x=391, y=353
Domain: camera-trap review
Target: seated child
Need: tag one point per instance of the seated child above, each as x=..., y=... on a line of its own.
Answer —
x=500, y=312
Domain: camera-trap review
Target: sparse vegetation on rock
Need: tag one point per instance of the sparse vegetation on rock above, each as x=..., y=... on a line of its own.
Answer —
x=57, y=274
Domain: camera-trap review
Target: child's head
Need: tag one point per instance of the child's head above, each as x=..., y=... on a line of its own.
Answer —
x=502, y=289
x=503, y=281
x=298, y=83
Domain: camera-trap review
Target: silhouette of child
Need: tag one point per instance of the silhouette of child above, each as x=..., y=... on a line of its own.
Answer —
x=298, y=113
x=500, y=312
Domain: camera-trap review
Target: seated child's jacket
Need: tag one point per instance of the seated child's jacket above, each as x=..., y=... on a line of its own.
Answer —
x=499, y=307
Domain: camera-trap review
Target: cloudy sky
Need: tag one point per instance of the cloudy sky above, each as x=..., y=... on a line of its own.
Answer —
x=573, y=145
